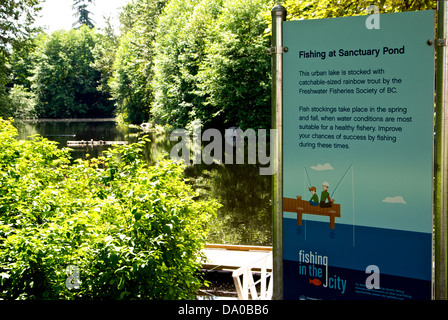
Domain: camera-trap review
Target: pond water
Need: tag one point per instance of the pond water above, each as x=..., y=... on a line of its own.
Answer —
x=245, y=195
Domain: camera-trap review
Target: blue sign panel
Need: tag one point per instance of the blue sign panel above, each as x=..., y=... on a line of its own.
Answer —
x=357, y=157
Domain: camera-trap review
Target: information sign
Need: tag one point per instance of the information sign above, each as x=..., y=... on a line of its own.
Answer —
x=358, y=114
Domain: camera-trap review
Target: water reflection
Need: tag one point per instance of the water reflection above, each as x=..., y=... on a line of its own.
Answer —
x=244, y=218
x=63, y=131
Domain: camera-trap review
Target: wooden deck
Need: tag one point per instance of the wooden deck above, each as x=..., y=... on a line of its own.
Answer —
x=302, y=206
x=232, y=257
x=243, y=262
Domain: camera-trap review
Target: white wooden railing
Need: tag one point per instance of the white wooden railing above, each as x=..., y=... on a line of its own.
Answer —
x=248, y=286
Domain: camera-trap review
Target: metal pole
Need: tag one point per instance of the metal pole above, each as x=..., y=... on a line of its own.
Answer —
x=278, y=16
x=441, y=157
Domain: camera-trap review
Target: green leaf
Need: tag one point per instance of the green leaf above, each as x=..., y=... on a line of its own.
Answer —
x=137, y=215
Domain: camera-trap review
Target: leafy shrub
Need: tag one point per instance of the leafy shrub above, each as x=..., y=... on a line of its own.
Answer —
x=23, y=102
x=134, y=231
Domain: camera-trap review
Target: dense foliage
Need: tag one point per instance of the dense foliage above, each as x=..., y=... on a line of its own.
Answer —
x=65, y=80
x=134, y=231
x=16, y=30
x=183, y=29
x=313, y=9
x=134, y=63
x=235, y=76
x=211, y=64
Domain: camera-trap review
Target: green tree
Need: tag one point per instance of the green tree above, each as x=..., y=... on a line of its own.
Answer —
x=133, y=66
x=235, y=75
x=129, y=83
x=183, y=30
x=16, y=28
x=211, y=64
x=82, y=14
x=16, y=22
x=65, y=80
x=21, y=63
x=104, y=54
x=23, y=102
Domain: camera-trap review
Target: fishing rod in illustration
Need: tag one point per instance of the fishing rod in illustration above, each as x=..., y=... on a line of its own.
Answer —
x=326, y=206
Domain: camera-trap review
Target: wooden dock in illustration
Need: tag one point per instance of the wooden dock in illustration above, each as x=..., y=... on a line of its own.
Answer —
x=302, y=206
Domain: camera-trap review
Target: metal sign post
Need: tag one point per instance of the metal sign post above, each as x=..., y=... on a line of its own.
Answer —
x=278, y=16
x=441, y=156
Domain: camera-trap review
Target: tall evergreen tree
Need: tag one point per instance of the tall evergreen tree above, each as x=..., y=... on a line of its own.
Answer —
x=82, y=14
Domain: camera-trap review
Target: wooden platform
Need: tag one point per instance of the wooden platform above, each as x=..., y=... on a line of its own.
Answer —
x=302, y=206
x=243, y=262
x=92, y=142
x=232, y=257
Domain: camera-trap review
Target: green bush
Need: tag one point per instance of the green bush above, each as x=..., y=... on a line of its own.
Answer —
x=133, y=231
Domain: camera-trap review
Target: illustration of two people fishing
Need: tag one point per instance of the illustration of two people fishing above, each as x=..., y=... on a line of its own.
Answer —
x=325, y=206
x=325, y=201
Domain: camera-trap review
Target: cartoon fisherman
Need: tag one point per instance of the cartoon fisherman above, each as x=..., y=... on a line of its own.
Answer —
x=325, y=195
x=314, y=201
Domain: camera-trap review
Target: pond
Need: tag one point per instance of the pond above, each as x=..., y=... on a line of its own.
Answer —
x=245, y=195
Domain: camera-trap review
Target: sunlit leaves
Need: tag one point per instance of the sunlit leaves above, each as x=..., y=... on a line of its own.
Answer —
x=316, y=9
x=16, y=29
x=235, y=76
x=133, y=65
x=16, y=19
x=211, y=64
x=134, y=231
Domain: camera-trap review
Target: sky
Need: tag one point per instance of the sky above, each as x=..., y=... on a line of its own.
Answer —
x=58, y=14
